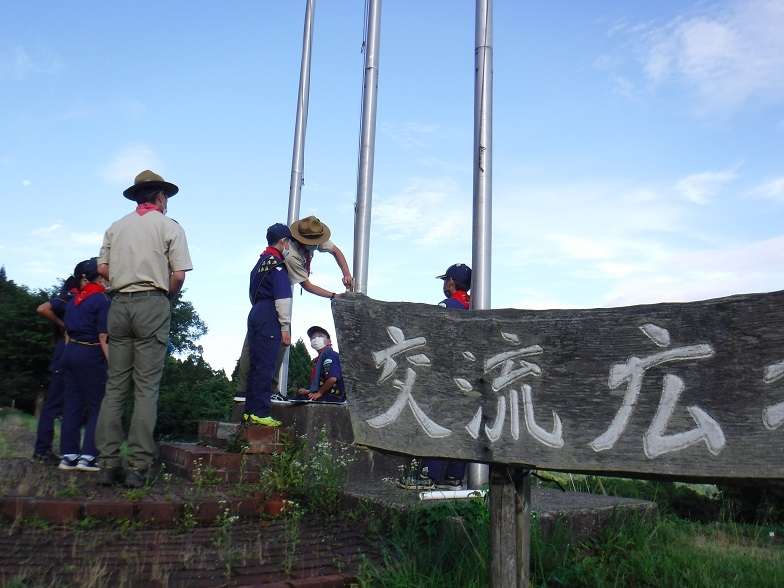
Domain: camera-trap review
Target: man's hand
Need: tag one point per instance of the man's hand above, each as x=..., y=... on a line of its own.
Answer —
x=315, y=395
x=285, y=337
x=348, y=281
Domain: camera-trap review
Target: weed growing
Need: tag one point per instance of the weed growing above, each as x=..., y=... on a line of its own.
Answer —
x=293, y=517
x=204, y=476
x=286, y=473
x=448, y=544
x=445, y=544
x=327, y=474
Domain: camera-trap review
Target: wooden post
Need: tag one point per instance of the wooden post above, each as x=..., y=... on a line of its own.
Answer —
x=510, y=527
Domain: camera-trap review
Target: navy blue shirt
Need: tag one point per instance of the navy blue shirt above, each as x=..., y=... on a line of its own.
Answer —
x=455, y=301
x=328, y=365
x=269, y=281
x=84, y=322
x=59, y=304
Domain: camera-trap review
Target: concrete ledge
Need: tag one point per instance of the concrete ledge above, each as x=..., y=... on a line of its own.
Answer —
x=373, y=474
x=308, y=419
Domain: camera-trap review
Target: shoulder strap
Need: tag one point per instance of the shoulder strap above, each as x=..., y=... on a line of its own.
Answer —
x=266, y=267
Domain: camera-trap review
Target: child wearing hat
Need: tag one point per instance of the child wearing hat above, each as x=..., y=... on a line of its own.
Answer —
x=269, y=324
x=308, y=235
x=438, y=473
x=326, y=382
x=84, y=368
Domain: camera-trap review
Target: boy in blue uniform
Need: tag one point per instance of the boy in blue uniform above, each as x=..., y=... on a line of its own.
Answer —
x=269, y=324
x=84, y=368
x=54, y=311
x=457, y=283
x=326, y=381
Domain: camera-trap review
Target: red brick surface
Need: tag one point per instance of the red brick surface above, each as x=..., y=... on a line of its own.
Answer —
x=109, y=509
x=58, y=512
x=184, y=557
x=15, y=508
x=263, y=434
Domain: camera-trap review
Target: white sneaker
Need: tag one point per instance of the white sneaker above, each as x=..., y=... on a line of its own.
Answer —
x=87, y=464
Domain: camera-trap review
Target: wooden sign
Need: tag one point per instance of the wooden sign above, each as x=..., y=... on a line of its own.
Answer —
x=693, y=390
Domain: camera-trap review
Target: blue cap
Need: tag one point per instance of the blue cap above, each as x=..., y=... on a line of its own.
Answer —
x=276, y=232
x=459, y=272
x=87, y=268
x=316, y=329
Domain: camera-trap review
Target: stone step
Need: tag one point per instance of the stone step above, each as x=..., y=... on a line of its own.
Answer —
x=230, y=452
x=236, y=438
x=194, y=462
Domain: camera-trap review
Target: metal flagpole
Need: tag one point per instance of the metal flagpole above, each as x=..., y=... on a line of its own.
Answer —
x=478, y=474
x=301, y=126
x=298, y=155
x=510, y=488
x=367, y=146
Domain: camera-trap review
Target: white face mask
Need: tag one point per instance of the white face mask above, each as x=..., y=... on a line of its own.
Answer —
x=318, y=343
x=286, y=253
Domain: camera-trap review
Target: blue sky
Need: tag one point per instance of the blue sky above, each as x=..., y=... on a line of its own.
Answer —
x=637, y=146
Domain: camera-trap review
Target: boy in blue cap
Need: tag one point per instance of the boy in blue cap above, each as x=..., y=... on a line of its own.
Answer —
x=457, y=283
x=326, y=383
x=269, y=324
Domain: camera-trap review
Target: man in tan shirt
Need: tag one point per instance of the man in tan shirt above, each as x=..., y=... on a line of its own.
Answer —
x=144, y=256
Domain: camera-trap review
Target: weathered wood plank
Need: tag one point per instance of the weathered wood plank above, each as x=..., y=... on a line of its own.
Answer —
x=686, y=390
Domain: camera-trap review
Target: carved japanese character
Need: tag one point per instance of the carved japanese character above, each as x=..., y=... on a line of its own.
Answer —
x=430, y=427
x=655, y=441
x=386, y=356
x=773, y=416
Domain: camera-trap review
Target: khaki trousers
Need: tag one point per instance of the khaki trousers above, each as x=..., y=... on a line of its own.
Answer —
x=138, y=326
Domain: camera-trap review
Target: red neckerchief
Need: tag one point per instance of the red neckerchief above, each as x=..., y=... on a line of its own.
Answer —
x=88, y=290
x=146, y=207
x=315, y=361
x=271, y=251
x=463, y=298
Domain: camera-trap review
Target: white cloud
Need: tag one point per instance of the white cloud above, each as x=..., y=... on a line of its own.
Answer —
x=46, y=231
x=26, y=183
x=18, y=62
x=703, y=187
x=772, y=190
x=409, y=134
x=727, y=54
x=422, y=213
x=129, y=162
x=582, y=248
x=701, y=275
x=58, y=235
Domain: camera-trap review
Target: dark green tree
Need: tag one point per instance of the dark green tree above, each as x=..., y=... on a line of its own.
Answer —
x=26, y=345
x=191, y=391
x=300, y=366
x=186, y=326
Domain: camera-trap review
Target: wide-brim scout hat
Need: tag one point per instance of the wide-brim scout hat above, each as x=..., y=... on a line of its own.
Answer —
x=315, y=329
x=148, y=182
x=310, y=231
